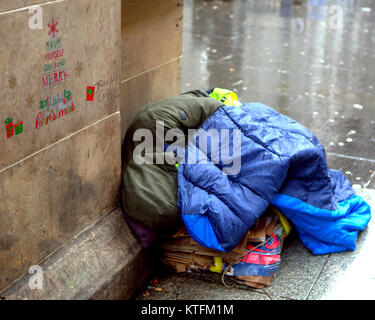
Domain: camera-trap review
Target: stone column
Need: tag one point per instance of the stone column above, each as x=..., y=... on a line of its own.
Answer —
x=151, y=53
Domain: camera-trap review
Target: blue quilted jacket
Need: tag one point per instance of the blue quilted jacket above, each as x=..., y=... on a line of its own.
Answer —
x=281, y=163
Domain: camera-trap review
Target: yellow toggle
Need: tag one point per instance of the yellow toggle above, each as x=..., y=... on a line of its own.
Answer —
x=229, y=98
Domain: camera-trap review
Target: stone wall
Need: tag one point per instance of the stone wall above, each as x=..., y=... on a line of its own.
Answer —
x=60, y=155
x=60, y=162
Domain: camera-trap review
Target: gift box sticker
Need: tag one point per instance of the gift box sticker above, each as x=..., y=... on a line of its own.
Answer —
x=90, y=93
x=12, y=129
x=18, y=128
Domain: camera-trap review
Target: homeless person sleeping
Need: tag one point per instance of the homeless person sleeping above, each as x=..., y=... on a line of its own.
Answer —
x=207, y=162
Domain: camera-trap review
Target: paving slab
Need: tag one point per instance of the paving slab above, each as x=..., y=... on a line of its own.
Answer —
x=350, y=275
x=188, y=286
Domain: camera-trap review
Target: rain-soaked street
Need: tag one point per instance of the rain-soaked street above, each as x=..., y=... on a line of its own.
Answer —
x=297, y=58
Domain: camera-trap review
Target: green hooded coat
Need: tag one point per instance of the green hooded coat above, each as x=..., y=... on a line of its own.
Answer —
x=149, y=191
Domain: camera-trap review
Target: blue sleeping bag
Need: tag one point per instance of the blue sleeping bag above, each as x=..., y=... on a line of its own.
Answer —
x=281, y=163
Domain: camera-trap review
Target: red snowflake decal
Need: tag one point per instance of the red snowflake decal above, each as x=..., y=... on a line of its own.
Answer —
x=53, y=28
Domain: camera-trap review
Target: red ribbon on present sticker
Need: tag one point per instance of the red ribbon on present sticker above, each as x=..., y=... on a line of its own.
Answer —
x=19, y=128
x=90, y=93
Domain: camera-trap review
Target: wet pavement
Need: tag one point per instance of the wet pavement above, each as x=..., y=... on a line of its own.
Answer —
x=289, y=58
x=298, y=60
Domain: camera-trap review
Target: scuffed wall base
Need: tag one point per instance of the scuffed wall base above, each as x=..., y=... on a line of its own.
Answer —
x=105, y=261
